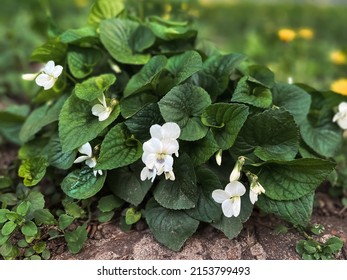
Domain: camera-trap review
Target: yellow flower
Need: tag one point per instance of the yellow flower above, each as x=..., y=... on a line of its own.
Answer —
x=339, y=86
x=306, y=33
x=338, y=57
x=81, y=3
x=286, y=35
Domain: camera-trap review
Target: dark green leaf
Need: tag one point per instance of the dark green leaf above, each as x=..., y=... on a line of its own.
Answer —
x=262, y=75
x=184, y=105
x=82, y=184
x=290, y=180
x=85, y=34
x=39, y=118
x=147, y=77
x=8, y=228
x=104, y=217
x=132, y=104
x=170, y=227
x=118, y=149
x=292, y=98
x=115, y=35
x=81, y=61
x=64, y=221
x=297, y=211
x=29, y=228
x=44, y=216
x=3, y=213
x=334, y=244
x=225, y=120
x=109, y=203
x=78, y=126
x=23, y=208
x=53, y=49
x=231, y=227
x=181, y=193
x=56, y=156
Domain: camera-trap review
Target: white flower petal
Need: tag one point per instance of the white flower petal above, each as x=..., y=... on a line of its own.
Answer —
x=170, y=146
x=253, y=196
x=150, y=160
x=45, y=81
x=86, y=149
x=235, y=174
x=168, y=162
x=81, y=158
x=343, y=107
x=155, y=131
x=57, y=71
x=95, y=172
x=235, y=188
x=104, y=115
x=91, y=162
x=29, y=77
x=342, y=123
x=100, y=172
x=170, y=130
x=228, y=208
x=49, y=67
x=236, y=204
x=337, y=116
x=219, y=157
x=153, y=145
x=98, y=109
x=144, y=174
x=219, y=196
x=170, y=176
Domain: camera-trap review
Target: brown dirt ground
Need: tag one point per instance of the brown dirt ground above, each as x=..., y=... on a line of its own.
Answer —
x=256, y=241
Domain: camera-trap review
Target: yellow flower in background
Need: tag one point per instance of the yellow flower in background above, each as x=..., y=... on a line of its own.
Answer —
x=286, y=34
x=81, y=3
x=338, y=57
x=339, y=86
x=306, y=33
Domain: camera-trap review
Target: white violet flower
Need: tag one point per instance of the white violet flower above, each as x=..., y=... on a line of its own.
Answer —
x=48, y=76
x=230, y=198
x=236, y=172
x=158, y=151
x=255, y=190
x=102, y=110
x=341, y=116
x=90, y=160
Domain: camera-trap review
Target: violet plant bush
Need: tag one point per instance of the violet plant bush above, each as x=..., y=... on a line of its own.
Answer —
x=181, y=134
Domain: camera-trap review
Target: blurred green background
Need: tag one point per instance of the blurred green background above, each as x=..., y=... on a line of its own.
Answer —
x=312, y=51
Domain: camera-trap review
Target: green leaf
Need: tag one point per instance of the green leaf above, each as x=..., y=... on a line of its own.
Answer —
x=23, y=208
x=64, y=221
x=289, y=180
x=183, y=66
x=33, y=170
x=6, y=249
x=170, y=227
x=141, y=122
x=334, y=244
x=182, y=192
x=206, y=209
x=29, y=228
x=8, y=199
x=201, y=150
x=252, y=94
x=118, y=149
x=133, y=103
x=36, y=200
x=78, y=126
x=57, y=157
x=184, y=105
x=44, y=216
x=225, y=120
x=104, y=217
x=82, y=184
x=272, y=134
x=3, y=217
x=74, y=210
x=207, y=82
x=261, y=75
x=292, y=98
x=85, y=34
x=170, y=30
x=296, y=211
x=221, y=67
x=132, y=216
x=93, y=87
x=34, y=148
x=39, y=247
x=109, y=203
x=53, y=49
x=116, y=34
x=147, y=77
x=46, y=254
x=105, y=9
x=81, y=61
x=3, y=238
x=8, y=228
x=135, y=190
x=75, y=239
x=5, y=182
x=231, y=227
x=39, y=118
